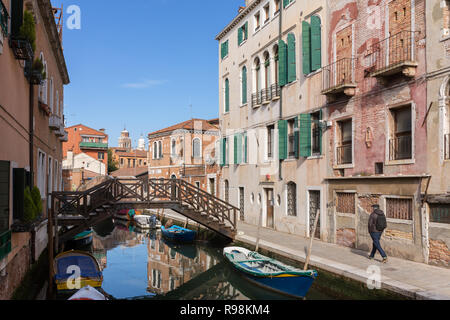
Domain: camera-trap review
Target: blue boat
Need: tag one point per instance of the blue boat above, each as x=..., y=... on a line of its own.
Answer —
x=270, y=273
x=82, y=239
x=176, y=233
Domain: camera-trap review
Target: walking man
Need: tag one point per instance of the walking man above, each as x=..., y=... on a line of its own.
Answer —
x=377, y=224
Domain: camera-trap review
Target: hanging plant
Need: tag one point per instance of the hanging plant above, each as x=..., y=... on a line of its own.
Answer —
x=28, y=29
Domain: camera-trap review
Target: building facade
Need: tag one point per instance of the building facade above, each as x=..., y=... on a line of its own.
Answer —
x=85, y=155
x=328, y=107
x=125, y=157
x=186, y=151
x=31, y=126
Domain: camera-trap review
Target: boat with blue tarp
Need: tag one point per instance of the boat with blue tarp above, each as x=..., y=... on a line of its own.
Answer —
x=177, y=233
x=65, y=268
x=270, y=273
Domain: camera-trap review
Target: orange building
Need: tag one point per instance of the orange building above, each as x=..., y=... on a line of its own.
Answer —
x=186, y=151
x=85, y=155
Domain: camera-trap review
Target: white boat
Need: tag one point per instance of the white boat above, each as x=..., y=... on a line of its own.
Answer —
x=88, y=293
x=147, y=222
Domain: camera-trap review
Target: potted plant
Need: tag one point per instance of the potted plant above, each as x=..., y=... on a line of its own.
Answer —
x=37, y=74
x=28, y=29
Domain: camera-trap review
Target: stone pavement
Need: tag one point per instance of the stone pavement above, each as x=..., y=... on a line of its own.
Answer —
x=412, y=279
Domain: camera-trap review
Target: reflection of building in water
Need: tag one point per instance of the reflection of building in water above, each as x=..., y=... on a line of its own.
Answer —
x=168, y=269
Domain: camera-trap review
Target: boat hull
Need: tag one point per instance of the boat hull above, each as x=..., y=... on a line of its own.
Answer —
x=183, y=236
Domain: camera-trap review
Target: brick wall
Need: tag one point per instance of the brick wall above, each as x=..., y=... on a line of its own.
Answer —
x=439, y=253
x=15, y=271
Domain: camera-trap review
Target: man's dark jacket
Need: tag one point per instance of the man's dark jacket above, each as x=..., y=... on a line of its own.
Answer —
x=373, y=220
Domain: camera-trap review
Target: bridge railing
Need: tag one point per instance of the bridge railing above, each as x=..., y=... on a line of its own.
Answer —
x=171, y=190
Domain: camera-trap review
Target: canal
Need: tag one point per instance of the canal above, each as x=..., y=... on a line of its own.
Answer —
x=143, y=265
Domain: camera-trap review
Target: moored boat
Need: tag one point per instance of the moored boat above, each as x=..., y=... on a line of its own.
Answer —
x=147, y=222
x=270, y=273
x=83, y=238
x=68, y=265
x=176, y=233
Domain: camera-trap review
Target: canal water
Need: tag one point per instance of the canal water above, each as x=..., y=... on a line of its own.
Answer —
x=143, y=265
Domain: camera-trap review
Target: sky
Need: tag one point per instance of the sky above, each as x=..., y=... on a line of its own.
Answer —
x=140, y=64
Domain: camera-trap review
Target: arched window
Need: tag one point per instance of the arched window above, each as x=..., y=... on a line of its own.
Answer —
x=292, y=199
x=196, y=148
x=227, y=95
x=257, y=65
x=244, y=85
x=173, y=147
x=266, y=70
x=155, y=150
x=275, y=54
x=160, y=154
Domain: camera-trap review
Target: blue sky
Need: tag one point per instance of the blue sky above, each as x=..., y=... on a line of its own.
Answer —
x=141, y=63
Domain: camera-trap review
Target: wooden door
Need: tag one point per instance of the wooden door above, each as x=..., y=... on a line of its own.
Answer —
x=269, y=208
x=314, y=209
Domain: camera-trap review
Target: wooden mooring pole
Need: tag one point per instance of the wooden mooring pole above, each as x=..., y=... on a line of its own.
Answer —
x=311, y=236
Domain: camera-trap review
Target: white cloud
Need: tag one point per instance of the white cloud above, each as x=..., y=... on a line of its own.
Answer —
x=144, y=84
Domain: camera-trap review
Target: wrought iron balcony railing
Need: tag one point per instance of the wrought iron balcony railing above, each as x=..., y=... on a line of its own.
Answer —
x=275, y=90
x=266, y=95
x=344, y=154
x=447, y=146
x=339, y=76
x=4, y=19
x=395, y=54
x=400, y=148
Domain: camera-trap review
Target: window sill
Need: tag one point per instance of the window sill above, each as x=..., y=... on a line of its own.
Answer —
x=226, y=113
x=244, y=105
x=440, y=225
x=401, y=221
x=223, y=59
x=344, y=166
x=242, y=43
x=290, y=4
x=400, y=162
x=256, y=30
x=290, y=83
x=315, y=157
x=290, y=160
x=342, y=214
x=312, y=73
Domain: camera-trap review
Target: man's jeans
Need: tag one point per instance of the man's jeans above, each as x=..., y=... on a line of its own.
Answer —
x=376, y=244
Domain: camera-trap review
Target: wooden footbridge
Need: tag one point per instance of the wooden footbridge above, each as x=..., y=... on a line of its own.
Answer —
x=77, y=211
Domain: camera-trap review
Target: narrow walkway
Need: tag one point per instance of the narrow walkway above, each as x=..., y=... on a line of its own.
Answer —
x=412, y=279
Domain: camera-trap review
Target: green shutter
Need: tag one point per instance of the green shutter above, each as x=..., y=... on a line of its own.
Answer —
x=246, y=30
x=316, y=44
x=282, y=139
x=224, y=49
x=244, y=85
x=285, y=3
x=239, y=36
x=223, y=149
x=227, y=95
x=245, y=147
x=238, y=148
x=292, y=74
x=282, y=63
x=235, y=158
x=305, y=135
x=306, y=47
x=297, y=137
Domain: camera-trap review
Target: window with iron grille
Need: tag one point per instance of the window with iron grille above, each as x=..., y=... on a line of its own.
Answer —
x=270, y=132
x=345, y=202
x=344, y=150
x=440, y=213
x=397, y=208
x=292, y=199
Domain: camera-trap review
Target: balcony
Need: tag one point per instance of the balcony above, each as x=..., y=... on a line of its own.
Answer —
x=93, y=145
x=64, y=137
x=400, y=148
x=4, y=19
x=54, y=122
x=22, y=49
x=266, y=95
x=60, y=131
x=344, y=154
x=395, y=55
x=338, y=77
x=44, y=107
x=447, y=146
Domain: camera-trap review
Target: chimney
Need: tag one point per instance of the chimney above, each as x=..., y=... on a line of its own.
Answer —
x=102, y=130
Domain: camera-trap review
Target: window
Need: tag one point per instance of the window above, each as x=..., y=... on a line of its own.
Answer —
x=227, y=95
x=266, y=70
x=52, y=96
x=41, y=173
x=310, y=136
x=257, y=21
x=197, y=184
x=400, y=143
x=440, y=213
x=276, y=6
x=155, y=150
x=129, y=163
x=266, y=13
x=311, y=45
x=397, y=208
x=275, y=54
x=160, y=153
x=224, y=49
x=292, y=199
x=345, y=202
x=316, y=134
x=134, y=163
x=243, y=33
x=291, y=137
x=257, y=65
x=196, y=148
x=270, y=138
x=445, y=6
x=101, y=156
x=224, y=151
x=173, y=146
x=244, y=85
x=121, y=161
x=344, y=148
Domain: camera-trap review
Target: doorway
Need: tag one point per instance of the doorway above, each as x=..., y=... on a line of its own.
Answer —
x=241, y=203
x=269, y=208
x=314, y=210
x=212, y=186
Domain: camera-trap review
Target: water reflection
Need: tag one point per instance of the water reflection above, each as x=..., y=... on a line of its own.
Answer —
x=143, y=265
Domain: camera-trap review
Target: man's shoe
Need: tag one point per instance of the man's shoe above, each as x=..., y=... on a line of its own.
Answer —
x=385, y=259
x=370, y=257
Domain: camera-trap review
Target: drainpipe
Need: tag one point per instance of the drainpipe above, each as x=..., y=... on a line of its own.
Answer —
x=31, y=138
x=280, y=32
